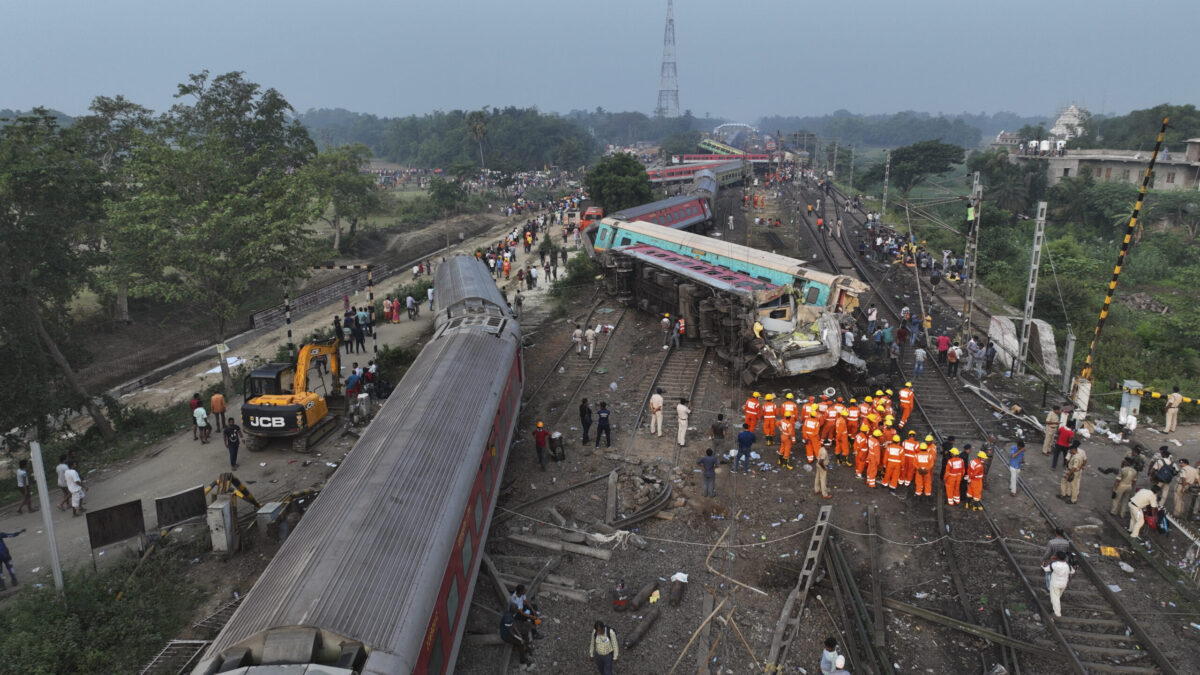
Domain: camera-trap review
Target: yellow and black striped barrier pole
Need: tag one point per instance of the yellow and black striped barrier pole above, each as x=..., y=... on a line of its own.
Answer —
x=1150, y=393
x=1089, y=362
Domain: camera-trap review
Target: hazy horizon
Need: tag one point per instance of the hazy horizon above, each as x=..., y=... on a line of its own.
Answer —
x=411, y=58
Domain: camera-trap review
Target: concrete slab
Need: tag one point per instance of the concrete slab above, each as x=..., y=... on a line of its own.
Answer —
x=1042, y=348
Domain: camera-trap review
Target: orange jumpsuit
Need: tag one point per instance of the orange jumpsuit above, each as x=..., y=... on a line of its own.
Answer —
x=895, y=460
x=975, y=480
x=507, y=267
x=906, y=405
x=789, y=406
x=827, y=422
x=874, y=447
x=811, y=432
x=841, y=439
x=860, y=453
x=954, y=474
x=925, y=460
x=910, y=446
x=753, y=409
x=769, y=418
x=787, y=434
x=852, y=417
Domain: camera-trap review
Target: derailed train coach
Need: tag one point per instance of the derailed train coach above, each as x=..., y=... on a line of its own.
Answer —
x=765, y=314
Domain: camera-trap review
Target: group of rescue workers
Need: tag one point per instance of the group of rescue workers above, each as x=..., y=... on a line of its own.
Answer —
x=870, y=437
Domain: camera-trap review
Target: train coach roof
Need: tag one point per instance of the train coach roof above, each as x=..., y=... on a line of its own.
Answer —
x=361, y=562
x=728, y=249
x=636, y=211
x=461, y=278
x=707, y=274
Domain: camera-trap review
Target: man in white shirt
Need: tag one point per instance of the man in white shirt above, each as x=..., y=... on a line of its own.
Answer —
x=61, y=470
x=682, y=411
x=76, y=487
x=1060, y=572
x=656, y=412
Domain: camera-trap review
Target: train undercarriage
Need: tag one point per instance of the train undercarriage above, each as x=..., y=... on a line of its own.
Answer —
x=759, y=338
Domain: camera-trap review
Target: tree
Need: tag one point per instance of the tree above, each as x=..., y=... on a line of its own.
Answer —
x=681, y=143
x=52, y=199
x=914, y=163
x=1030, y=132
x=111, y=131
x=224, y=203
x=351, y=194
x=617, y=182
x=445, y=195
x=1180, y=208
x=477, y=126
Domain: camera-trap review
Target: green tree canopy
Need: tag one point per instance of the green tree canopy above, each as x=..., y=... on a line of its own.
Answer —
x=1139, y=129
x=914, y=163
x=617, y=182
x=224, y=203
x=51, y=194
x=351, y=194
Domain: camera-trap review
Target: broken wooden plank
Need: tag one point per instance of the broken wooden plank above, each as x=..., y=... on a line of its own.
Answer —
x=560, y=546
x=497, y=583
x=610, y=511
x=702, y=648
x=877, y=637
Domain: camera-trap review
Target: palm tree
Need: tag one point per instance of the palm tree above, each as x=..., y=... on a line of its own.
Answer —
x=477, y=126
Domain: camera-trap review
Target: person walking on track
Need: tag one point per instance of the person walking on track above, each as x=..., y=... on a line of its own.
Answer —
x=603, y=649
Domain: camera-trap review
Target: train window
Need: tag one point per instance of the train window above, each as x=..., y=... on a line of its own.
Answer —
x=437, y=656
x=479, y=512
x=811, y=295
x=468, y=556
x=487, y=477
x=625, y=241
x=452, y=599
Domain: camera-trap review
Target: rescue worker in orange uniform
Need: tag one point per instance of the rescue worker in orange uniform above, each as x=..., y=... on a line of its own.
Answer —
x=770, y=412
x=923, y=478
x=895, y=461
x=841, y=438
x=975, y=482
x=790, y=406
x=753, y=411
x=828, y=415
x=811, y=433
x=953, y=476
x=874, y=452
x=910, y=458
x=853, y=415
x=861, y=442
x=887, y=402
x=787, y=435
x=906, y=403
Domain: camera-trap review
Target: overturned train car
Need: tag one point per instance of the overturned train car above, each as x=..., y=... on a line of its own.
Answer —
x=766, y=315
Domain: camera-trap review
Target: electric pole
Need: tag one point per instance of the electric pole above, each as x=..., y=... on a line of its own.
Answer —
x=971, y=254
x=1035, y=262
x=852, y=169
x=887, y=170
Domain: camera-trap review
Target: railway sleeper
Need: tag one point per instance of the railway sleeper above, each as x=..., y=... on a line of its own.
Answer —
x=1093, y=667
x=1099, y=637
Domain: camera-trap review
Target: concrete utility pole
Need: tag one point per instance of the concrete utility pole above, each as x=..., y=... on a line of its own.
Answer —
x=1035, y=262
x=887, y=170
x=972, y=253
x=39, y=473
x=852, y=168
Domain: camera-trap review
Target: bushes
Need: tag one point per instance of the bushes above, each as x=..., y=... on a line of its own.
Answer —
x=90, y=630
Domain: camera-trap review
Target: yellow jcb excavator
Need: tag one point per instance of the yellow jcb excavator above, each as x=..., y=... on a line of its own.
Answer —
x=278, y=403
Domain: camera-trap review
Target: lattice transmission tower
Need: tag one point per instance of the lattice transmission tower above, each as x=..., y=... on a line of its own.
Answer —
x=668, y=88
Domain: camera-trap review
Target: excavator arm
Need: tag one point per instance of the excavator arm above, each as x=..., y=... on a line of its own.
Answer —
x=304, y=360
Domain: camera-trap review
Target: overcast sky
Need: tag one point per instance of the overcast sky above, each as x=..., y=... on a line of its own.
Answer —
x=739, y=60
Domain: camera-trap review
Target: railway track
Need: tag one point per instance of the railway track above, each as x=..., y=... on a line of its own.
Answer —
x=679, y=374
x=1097, y=633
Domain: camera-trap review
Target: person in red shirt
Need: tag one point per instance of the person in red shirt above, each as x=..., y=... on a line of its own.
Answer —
x=541, y=439
x=943, y=345
x=1065, y=434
